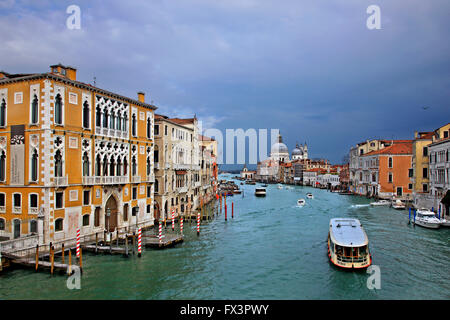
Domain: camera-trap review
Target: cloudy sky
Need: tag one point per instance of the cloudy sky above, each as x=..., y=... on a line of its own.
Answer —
x=309, y=68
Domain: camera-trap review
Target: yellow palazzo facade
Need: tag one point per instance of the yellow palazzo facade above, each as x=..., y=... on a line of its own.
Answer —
x=72, y=156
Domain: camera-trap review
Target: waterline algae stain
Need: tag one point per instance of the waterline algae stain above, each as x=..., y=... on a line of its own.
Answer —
x=271, y=249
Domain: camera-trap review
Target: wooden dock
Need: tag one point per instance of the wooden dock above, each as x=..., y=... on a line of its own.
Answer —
x=168, y=240
x=106, y=249
x=46, y=265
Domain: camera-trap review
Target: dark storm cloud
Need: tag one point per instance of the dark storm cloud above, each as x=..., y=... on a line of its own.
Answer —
x=310, y=68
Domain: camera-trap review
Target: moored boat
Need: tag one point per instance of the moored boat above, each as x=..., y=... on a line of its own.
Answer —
x=445, y=222
x=380, y=203
x=260, y=192
x=348, y=245
x=427, y=219
x=398, y=205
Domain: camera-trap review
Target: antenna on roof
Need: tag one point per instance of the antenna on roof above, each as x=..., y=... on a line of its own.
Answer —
x=95, y=81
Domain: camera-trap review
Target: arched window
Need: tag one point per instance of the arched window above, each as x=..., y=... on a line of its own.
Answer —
x=85, y=165
x=105, y=119
x=58, y=109
x=119, y=122
x=34, y=110
x=98, y=166
x=149, y=166
x=3, y=113
x=156, y=156
x=149, y=128
x=111, y=120
x=119, y=167
x=112, y=167
x=105, y=166
x=133, y=166
x=133, y=125
x=125, y=121
x=59, y=224
x=3, y=166
x=125, y=166
x=86, y=220
x=34, y=165
x=86, y=115
x=33, y=226
x=58, y=164
x=156, y=186
x=98, y=117
x=2, y=224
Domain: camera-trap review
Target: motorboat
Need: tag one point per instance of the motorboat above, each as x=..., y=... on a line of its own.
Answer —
x=301, y=202
x=260, y=192
x=398, y=205
x=280, y=186
x=264, y=185
x=380, y=203
x=237, y=191
x=309, y=196
x=348, y=244
x=427, y=219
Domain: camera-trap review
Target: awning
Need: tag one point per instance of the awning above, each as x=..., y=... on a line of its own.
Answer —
x=180, y=171
x=446, y=199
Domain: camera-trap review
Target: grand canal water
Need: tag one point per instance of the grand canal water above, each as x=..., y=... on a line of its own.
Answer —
x=272, y=249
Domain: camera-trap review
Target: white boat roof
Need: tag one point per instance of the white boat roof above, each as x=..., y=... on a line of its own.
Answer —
x=348, y=232
x=426, y=212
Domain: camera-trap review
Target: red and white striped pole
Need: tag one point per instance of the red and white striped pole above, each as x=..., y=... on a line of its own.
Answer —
x=78, y=243
x=160, y=232
x=198, y=223
x=139, y=242
x=181, y=225
x=173, y=220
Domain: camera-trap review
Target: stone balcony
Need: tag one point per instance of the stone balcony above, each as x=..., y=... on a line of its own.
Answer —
x=136, y=179
x=182, y=189
x=105, y=180
x=181, y=166
x=151, y=178
x=61, y=181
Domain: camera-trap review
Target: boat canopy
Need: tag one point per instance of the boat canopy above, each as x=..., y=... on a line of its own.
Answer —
x=425, y=212
x=347, y=232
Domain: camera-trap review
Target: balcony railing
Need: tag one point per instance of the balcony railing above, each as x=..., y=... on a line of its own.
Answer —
x=182, y=189
x=33, y=210
x=181, y=166
x=151, y=178
x=17, y=209
x=156, y=165
x=136, y=179
x=197, y=184
x=105, y=180
x=167, y=165
x=2, y=209
x=61, y=181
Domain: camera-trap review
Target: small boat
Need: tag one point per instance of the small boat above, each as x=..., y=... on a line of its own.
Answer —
x=237, y=191
x=309, y=196
x=264, y=186
x=260, y=192
x=380, y=203
x=427, y=219
x=348, y=245
x=398, y=205
x=280, y=186
x=301, y=202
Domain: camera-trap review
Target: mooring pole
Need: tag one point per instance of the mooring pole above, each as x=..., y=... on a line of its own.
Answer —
x=52, y=259
x=134, y=242
x=81, y=260
x=96, y=243
x=37, y=257
x=62, y=253
x=139, y=242
x=69, y=268
x=232, y=210
x=126, y=245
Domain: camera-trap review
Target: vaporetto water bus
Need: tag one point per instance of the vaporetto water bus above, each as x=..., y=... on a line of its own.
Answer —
x=348, y=245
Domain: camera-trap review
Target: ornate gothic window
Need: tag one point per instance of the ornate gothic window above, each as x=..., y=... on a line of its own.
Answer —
x=3, y=113
x=58, y=164
x=86, y=115
x=58, y=109
x=34, y=165
x=34, y=110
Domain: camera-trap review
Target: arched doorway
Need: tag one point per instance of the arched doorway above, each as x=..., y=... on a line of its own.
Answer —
x=111, y=221
x=156, y=210
x=166, y=209
x=16, y=226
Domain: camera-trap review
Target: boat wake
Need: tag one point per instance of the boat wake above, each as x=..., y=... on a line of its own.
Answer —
x=360, y=205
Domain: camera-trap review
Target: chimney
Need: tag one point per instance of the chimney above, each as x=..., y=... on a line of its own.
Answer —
x=415, y=134
x=141, y=96
x=71, y=73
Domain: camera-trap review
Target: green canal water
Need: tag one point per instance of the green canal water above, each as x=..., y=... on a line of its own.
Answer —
x=271, y=249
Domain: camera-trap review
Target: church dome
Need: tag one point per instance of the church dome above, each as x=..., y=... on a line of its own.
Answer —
x=297, y=151
x=279, y=147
